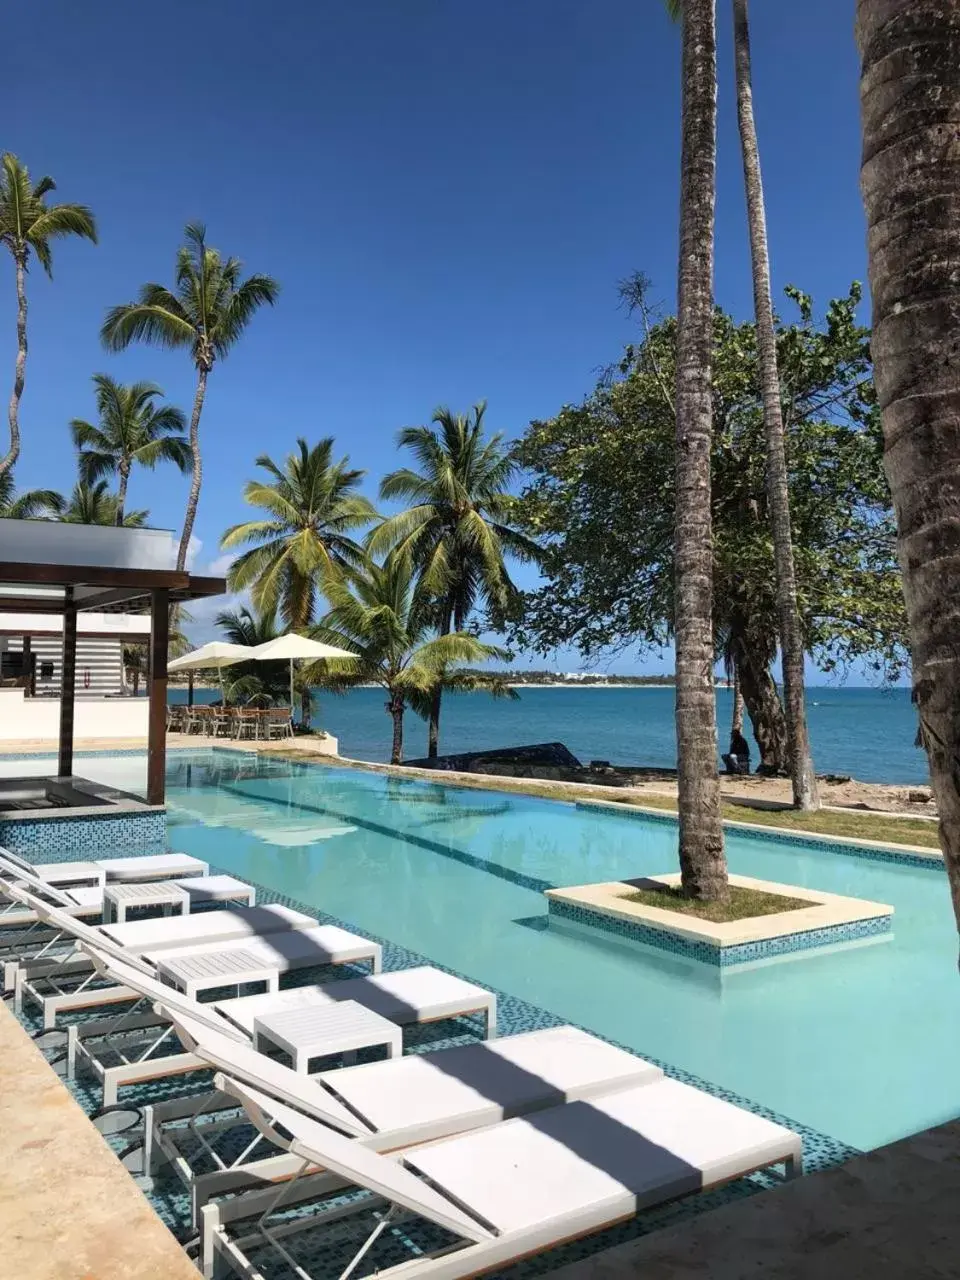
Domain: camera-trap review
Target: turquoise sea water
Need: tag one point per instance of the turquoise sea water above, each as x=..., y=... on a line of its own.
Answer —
x=856, y=1042
x=867, y=733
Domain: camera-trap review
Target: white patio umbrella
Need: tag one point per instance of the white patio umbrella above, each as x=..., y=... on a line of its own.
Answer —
x=291, y=647
x=213, y=656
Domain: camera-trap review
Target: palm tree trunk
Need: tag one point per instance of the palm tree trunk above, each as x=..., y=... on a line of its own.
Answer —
x=433, y=728
x=13, y=412
x=703, y=867
x=396, y=708
x=802, y=776
x=910, y=179
x=306, y=706
x=196, y=479
x=736, y=719
x=759, y=690
x=122, y=491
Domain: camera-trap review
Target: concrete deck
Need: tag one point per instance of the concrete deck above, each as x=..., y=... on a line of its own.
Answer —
x=68, y=1208
x=889, y=1215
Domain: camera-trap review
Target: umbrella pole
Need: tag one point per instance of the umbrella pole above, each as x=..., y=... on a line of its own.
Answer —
x=291, y=690
x=190, y=689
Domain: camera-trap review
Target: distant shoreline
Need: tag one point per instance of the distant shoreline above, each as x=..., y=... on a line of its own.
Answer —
x=593, y=684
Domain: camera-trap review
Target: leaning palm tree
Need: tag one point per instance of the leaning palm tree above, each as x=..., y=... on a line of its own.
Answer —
x=28, y=225
x=377, y=614
x=803, y=778
x=703, y=866
x=206, y=311
x=312, y=506
x=910, y=179
x=458, y=529
x=34, y=504
x=133, y=429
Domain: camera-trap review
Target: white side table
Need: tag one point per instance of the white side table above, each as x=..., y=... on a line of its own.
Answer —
x=193, y=972
x=118, y=899
x=318, y=1031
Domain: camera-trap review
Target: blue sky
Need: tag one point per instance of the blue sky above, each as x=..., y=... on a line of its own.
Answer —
x=447, y=192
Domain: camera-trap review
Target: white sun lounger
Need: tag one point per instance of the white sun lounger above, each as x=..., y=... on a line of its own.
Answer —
x=150, y=866
x=510, y=1190
x=405, y=996
x=46, y=982
x=133, y=1047
x=424, y=1097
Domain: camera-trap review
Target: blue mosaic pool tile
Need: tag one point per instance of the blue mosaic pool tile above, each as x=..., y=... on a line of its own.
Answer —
x=59, y=839
x=323, y=1254
x=708, y=953
x=908, y=858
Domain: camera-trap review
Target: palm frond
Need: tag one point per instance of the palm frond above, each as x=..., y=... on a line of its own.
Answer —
x=143, y=322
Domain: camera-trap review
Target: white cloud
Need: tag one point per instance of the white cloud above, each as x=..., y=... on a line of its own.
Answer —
x=193, y=551
x=218, y=568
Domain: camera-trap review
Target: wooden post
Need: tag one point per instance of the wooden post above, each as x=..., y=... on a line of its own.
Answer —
x=29, y=668
x=157, y=730
x=190, y=689
x=68, y=676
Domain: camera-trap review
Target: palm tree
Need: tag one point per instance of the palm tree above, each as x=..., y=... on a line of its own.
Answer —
x=259, y=682
x=94, y=504
x=377, y=614
x=311, y=505
x=207, y=311
x=910, y=179
x=28, y=225
x=803, y=778
x=32, y=505
x=458, y=530
x=703, y=866
x=132, y=429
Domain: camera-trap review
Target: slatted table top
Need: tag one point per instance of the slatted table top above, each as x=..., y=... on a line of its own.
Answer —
x=317, y=1031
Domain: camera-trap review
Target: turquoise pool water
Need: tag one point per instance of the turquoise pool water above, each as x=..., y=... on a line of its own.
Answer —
x=859, y=1043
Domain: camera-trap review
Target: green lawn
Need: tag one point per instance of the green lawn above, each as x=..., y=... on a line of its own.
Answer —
x=741, y=904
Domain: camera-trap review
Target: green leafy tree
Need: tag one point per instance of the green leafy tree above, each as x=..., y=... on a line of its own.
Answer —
x=133, y=430
x=312, y=506
x=377, y=614
x=207, y=310
x=29, y=225
x=601, y=499
x=910, y=180
x=459, y=529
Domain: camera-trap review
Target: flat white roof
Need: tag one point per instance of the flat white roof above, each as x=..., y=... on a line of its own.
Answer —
x=106, y=546
x=41, y=624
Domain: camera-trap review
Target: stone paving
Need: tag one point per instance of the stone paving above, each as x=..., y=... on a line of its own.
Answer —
x=68, y=1209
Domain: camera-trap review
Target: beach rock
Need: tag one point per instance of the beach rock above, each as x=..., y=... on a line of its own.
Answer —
x=542, y=754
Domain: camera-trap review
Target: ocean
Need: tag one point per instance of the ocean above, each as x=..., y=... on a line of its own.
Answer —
x=864, y=732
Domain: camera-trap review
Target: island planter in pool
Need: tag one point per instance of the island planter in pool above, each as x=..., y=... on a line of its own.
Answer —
x=828, y=920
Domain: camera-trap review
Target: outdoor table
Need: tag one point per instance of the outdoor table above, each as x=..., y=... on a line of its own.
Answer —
x=320, y=1031
x=119, y=899
x=194, y=972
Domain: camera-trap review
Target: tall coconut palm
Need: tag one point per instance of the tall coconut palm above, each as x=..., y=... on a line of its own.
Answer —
x=28, y=225
x=802, y=776
x=206, y=311
x=312, y=506
x=703, y=865
x=133, y=429
x=458, y=530
x=377, y=614
x=910, y=179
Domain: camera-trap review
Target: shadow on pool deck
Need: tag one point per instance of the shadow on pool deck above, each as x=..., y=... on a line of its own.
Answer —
x=887, y=1215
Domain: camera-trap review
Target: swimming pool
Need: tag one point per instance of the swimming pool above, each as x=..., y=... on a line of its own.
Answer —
x=857, y=1043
